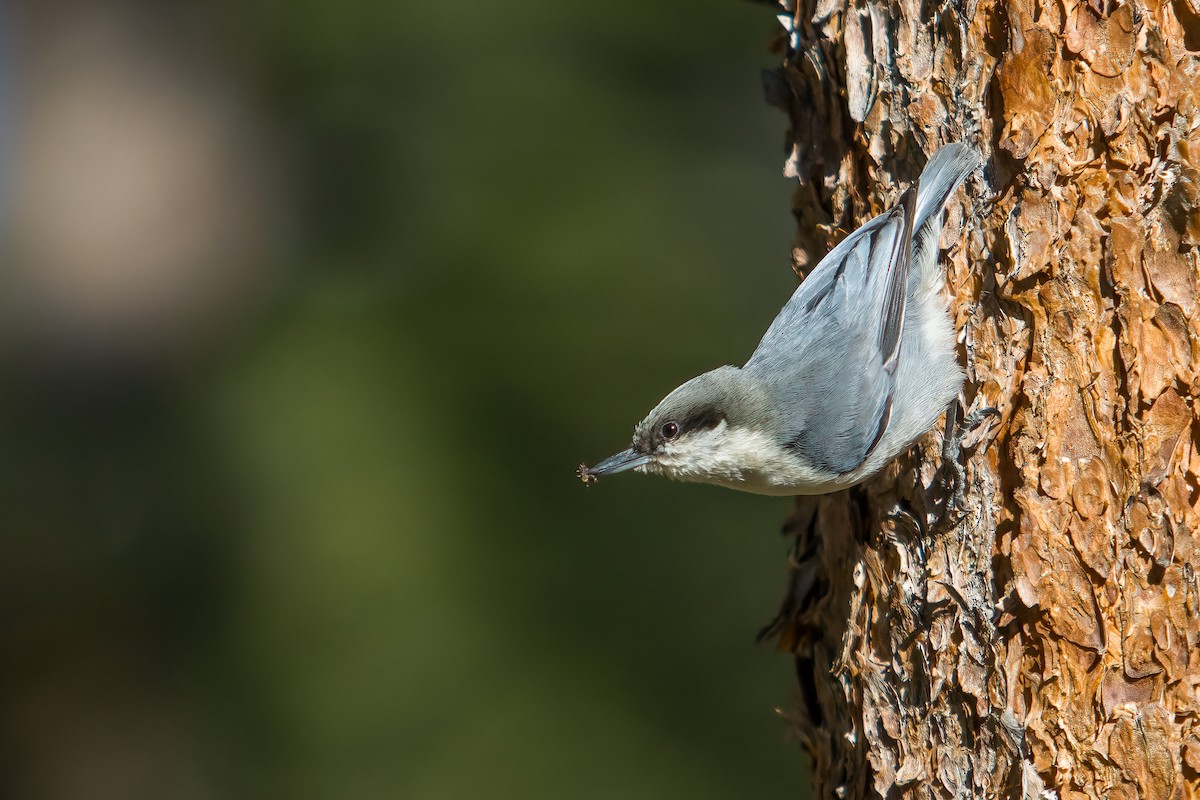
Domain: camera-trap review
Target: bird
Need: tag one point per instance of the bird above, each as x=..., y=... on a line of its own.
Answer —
x=858, y=364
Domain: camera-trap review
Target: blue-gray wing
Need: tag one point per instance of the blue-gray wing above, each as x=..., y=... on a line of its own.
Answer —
x=830, y=356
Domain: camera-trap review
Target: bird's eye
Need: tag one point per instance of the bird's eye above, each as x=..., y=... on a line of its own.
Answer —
x=669, y=430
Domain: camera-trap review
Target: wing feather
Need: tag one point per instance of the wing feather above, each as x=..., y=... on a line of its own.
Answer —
x=897, y=283
x=830, y=355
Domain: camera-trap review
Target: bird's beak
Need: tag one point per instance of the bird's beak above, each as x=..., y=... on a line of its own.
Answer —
x=626, y=459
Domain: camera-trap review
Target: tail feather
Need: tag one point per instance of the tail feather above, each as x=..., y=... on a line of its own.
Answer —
x=947, y=168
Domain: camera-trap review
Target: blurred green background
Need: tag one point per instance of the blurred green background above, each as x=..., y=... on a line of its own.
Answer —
x=310, y=311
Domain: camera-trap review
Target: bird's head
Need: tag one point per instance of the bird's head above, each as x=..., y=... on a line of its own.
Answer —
x=699, y=432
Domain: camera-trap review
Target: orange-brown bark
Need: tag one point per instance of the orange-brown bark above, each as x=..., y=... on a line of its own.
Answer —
x=1049, y=641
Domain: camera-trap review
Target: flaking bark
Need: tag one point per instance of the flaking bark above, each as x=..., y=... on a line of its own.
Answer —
x=1046, y=644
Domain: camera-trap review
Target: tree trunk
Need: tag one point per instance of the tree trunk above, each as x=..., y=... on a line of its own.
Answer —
x=1045, y=643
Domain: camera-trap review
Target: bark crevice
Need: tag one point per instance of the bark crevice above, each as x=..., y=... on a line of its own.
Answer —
x=1049, y=643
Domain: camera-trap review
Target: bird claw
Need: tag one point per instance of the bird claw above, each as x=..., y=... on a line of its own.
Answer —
x=952, y=475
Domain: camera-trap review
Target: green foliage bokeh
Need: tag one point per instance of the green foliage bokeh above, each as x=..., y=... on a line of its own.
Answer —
x=515, y=227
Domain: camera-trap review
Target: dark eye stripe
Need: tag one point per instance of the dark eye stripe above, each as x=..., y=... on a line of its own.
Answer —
x=701, y=420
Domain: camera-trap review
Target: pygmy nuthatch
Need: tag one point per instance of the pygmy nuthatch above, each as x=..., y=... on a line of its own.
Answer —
x=858, y=364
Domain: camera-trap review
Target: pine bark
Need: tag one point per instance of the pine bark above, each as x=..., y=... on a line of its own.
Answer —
x=1045, y=642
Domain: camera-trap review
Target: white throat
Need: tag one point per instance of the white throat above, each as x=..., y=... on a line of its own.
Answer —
x=738, y=459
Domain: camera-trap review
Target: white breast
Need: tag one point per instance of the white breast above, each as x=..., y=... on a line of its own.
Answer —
x=741, y=459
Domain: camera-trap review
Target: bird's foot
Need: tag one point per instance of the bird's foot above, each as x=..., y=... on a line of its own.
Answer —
x=952, y=475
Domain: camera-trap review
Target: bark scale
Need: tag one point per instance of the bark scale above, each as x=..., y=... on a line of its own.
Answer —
x=1047, y=644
